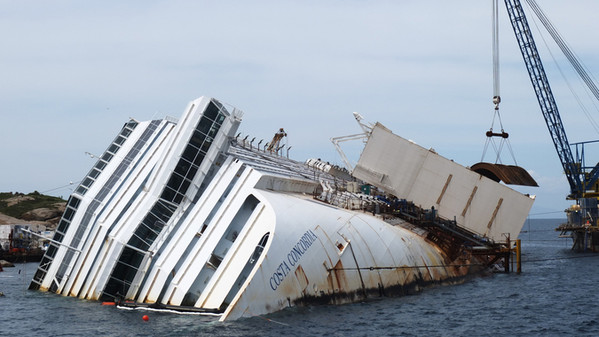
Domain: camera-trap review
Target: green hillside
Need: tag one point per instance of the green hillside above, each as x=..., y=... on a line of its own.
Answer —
x=17, y=204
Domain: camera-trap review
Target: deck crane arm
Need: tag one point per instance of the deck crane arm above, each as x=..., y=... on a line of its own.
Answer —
x=544, y=95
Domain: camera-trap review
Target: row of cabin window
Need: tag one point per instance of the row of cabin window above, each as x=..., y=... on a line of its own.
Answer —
x=106, y=157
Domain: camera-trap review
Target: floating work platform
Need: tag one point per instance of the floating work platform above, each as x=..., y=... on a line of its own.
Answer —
x=582, y=225
x=584, y=237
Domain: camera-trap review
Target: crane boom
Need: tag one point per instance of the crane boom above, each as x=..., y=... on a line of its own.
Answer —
x=544, y=95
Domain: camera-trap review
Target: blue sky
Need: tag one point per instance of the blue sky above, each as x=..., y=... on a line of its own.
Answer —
x=73, y=72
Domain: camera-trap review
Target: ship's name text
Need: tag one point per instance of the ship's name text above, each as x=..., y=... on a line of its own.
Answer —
x=294, y=255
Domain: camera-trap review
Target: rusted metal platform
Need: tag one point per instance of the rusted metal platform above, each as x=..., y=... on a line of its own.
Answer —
x=455, y=240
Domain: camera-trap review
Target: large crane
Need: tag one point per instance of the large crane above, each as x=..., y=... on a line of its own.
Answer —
x=582, y=180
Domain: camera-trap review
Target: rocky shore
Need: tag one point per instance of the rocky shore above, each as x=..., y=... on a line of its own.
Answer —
x=34, y=209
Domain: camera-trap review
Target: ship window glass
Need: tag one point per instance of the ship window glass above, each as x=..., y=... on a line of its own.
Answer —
x=144, y=242
x=220, y=119
x=192, y=171
x=52, y=249
x=100, y=165
x=37, y=279
x=151, y=226
x=162, y=211
x=138, y=242
x=149, y=220
x=124, y=273
x=94, y=173
x=196, y=139
x=126, y=132
x=116, y=175
x=53, y=287
x=58, y=236
x=213, y=131
x=81, y=190
x=64, y=264
x=113, y=148
x=182, y=167
x=185, y=185
x=68, y=214
x=39, y=275
x=132, y=124
x=199, y=158
x=204, y=226
x=87, y=182
x=154, y=230
x=206, y=145
x=190, y=152
x=232, y=235
x=129, y=259
x=215, y=261
x=107, y=156
x=175, y=181
x=204, y=126
x=120, y=140
x=62, y=226
x=105, y=189
x=178, y=198
x=74, y=202
x=168, y=194
x=211, y=111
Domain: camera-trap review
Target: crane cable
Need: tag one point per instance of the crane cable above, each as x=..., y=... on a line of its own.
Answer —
x=495, y=39
x=576, y=64
x=584, y=109
x=580, y=69
x=496, y=93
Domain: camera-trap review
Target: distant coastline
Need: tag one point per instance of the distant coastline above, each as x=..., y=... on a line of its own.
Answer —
x=33, y=208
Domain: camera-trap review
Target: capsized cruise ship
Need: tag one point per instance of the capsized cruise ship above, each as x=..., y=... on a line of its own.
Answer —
x=189, y=215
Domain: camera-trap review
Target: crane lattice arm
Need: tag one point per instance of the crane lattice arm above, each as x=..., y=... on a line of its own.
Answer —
x=544, y=95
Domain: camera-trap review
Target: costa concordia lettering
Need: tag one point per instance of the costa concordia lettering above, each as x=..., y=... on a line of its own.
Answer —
x=190, y=215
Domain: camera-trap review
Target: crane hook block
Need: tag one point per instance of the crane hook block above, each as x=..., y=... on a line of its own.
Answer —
x=503, y=134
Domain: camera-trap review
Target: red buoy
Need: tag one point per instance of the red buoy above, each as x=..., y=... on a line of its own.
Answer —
x=145, y=318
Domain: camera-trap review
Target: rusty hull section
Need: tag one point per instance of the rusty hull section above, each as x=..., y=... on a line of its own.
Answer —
x=355, y=256
x=509, y=174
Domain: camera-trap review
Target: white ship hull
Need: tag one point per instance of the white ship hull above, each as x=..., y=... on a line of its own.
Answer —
x=185, y=215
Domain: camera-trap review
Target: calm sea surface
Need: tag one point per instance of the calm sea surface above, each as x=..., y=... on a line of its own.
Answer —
x=555, y=295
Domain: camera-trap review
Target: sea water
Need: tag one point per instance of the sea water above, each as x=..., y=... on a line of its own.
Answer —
x=555, y=295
